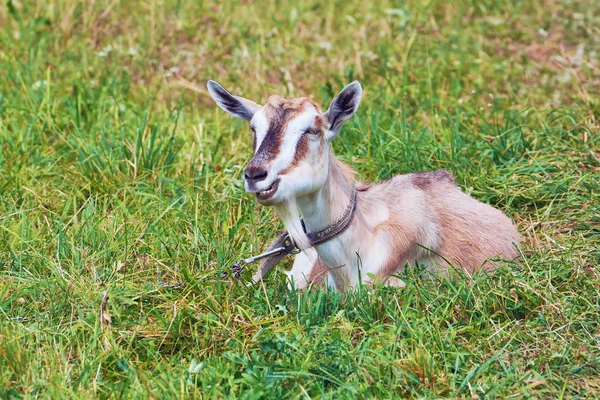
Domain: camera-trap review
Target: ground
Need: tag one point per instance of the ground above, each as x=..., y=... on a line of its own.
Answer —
x=121, y=198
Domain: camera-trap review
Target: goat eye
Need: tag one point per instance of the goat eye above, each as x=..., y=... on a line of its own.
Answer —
x=312, y=131
x=253, y=129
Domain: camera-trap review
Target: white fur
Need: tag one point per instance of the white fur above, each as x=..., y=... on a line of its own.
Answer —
x=260, y=124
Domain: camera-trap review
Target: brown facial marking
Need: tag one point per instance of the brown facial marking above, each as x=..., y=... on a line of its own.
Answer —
x=279, y=113
x=319, y=124
x=297, y=106
x=303, y=144
x=301, y=150
x=318, y=274
x=269, y=148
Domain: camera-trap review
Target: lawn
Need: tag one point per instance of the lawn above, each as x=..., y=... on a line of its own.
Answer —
x=121, y=198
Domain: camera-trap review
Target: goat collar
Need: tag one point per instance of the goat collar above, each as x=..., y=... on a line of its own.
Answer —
x=284, y=245
x=334, y=229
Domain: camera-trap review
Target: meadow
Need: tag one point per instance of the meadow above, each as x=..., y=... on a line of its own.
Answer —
x=122, y=199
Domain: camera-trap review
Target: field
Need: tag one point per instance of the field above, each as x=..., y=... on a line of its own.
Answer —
x=121, y=198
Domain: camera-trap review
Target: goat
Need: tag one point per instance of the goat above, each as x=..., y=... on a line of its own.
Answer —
x=420, y=217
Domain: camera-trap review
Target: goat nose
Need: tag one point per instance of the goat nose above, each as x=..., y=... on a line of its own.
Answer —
x=255, y=173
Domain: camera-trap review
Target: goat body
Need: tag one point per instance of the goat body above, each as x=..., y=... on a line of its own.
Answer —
x=419, y=218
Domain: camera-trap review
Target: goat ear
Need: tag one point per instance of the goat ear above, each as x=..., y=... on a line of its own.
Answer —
x=343, y=106
x=234, y=105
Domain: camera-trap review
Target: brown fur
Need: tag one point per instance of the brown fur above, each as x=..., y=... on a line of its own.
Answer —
x=302, y=145
x=470, y=243
x=301, y=150
x=425, y=180
x=430, y=218
x=396, y=260
x=319, y=124
x=318, y=274
x=269, y=147
x=470, y=232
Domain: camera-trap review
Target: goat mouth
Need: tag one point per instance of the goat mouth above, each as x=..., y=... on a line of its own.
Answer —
x=268, y=193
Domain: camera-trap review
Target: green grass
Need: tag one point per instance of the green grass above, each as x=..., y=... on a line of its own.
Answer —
x=121, y=197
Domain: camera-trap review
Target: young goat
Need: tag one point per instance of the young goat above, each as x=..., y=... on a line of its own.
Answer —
x=371, y=231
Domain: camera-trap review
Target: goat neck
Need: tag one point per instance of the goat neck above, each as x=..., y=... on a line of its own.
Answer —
x=323, y=207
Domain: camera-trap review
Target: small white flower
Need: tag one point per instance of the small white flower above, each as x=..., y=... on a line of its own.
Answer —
x=39, y=84
x=579, y=55
x=350, y=19
x=556, y=97
x=396, y=11
x=401, y=15
x=325, y=45
x=496, y=20
x=132, y=51
x=566, y=77
x=105, y=51
x=371, y=56
x=172, y=71
x=543, y=32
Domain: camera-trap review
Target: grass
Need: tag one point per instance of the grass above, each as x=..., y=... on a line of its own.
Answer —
x=121, y=198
